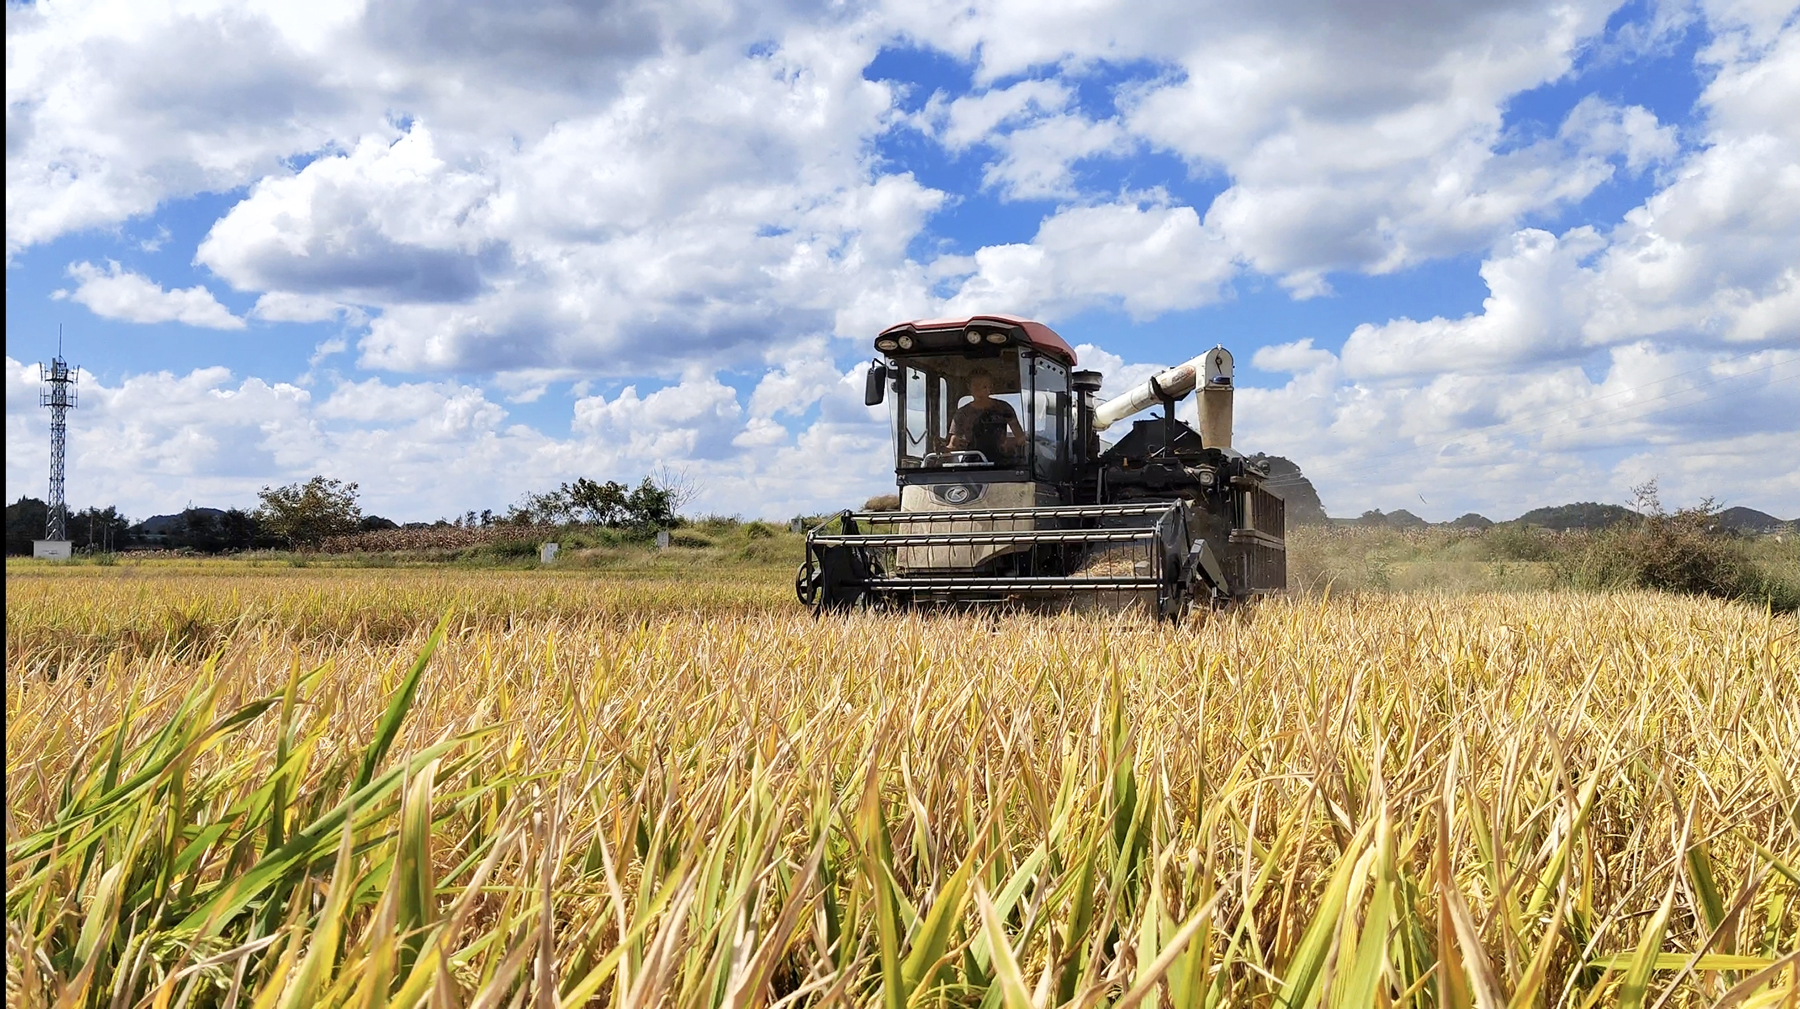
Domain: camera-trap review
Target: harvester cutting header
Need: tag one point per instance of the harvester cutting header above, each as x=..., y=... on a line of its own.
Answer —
x=1009, y=495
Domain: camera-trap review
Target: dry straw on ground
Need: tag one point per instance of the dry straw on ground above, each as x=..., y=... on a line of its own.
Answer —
x=708, y=798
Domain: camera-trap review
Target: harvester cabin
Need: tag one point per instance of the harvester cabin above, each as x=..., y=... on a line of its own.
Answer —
x=1010, y=375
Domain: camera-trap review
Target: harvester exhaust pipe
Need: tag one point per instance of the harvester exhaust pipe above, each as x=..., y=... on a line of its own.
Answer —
x=1215, y=396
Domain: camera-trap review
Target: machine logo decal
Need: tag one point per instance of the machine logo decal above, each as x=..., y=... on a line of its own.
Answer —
x=958, y=493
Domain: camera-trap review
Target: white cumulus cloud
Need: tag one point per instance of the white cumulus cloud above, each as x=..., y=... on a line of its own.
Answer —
x=693, y=419
x=1146, y=257
x=113, y=292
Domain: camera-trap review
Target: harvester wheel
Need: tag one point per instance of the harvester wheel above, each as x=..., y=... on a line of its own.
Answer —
x=807, y=582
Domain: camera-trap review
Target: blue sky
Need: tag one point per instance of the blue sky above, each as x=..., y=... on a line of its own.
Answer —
x=1476, y=257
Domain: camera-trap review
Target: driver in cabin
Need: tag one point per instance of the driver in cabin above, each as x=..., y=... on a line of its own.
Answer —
x=986, y=424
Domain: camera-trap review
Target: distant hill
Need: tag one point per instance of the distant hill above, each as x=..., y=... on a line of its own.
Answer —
x=1403, y=519
x=1302, y=499
x=1562, y=518
x=1749, y=520
x=1581, y=515
x=165, y=525
x=1377, y=519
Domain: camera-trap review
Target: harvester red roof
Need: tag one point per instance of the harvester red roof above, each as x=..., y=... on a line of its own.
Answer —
x=1041, y=336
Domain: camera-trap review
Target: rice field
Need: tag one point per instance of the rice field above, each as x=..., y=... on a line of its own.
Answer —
x=283, y=787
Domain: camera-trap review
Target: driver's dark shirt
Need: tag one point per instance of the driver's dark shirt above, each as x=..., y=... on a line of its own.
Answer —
x=984, y=428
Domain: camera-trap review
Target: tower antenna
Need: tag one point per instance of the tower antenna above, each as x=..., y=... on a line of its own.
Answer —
x=59, y=394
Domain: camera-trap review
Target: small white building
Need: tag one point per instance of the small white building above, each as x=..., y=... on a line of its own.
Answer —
x=59, y=550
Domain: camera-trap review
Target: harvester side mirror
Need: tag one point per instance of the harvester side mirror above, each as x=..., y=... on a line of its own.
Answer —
x=875, y=385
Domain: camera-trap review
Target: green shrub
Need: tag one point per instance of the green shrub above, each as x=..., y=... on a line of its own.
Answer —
x=771, y=550
x=500, y=550
x=573, y=538
x=1517, y=542
x=1685, y=552
x=513, y=548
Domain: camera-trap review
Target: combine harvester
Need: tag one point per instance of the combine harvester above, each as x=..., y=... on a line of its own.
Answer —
x=1008, y=496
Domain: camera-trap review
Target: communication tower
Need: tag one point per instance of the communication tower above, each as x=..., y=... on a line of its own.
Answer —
x=59, y=394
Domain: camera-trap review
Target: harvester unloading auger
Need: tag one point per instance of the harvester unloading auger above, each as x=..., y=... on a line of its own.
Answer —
x=1007, y=494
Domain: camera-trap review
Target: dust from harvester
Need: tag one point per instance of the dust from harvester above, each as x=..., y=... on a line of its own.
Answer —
x=681, y=793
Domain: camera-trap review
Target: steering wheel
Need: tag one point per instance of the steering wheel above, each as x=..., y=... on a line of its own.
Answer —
x=964, y=457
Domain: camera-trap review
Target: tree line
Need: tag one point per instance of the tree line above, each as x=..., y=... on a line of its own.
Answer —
x=299, y=516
